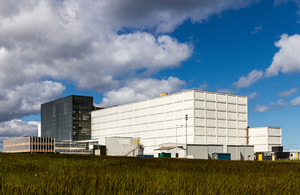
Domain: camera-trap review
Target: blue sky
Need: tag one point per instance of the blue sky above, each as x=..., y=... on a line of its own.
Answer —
x=125, y=51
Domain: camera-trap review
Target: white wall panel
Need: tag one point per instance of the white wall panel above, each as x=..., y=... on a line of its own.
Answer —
x=232, y=140
x=232, y=115
x=199, y=95
x=242, y=116
x=258, y=140
x=200, y=138
x=231, y=107
x=221, y=139
x=210, y=105
x=199, y=104
x=199, y=130
x=199, y=113
x=188, y=104
x=221, y=114
x=199, y=122
x=210, y=96
x=211, y=139
x=232, y=123
x=210, y=131
x=211, y=122
x=221, y=97
x=221, y=123
x=232, y=131
x=275, y=140
x=179, y=97
x=242, y=108
x=242, y=124
x=211, y=113
x=221, y=106
x=275, y=131
x=232, y=99
x=222, y=131
x=242, y=100
x=242, y=132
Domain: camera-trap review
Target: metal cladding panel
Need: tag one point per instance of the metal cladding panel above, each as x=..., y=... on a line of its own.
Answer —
x=199, y=104
x=200, y=130
x=232, y=99
x=214, y=149
x=242, y=108
x=274, y=140
x=242, y=124
x=211, y=105
x=274, y=131
x=222, y=97
x=211, y=131
x=200, y=139
x=261, y=148
x=232, y=123
x=242, y=116
x=258, y=140
x=199, y=113
x=211, y=113
x=198, y=151
x=211, y=122
x=232, y=115
x=221, y=139
x=232, y=107
x=221, y=131
x=242, y=100
x=211, y=139
x=221, y=123
x=199, y=122
x=232, y=131
x=221, y=114
x=258, y=131
x=221, y=106
x=199, y=95
x=210, y=96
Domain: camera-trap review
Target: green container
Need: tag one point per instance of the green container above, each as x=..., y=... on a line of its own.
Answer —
x=161, y=155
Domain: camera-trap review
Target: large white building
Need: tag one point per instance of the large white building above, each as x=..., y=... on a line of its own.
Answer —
x=264, y=138
x=213, y=118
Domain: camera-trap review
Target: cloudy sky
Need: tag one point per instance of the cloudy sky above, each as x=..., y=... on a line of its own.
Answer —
x=124, y=51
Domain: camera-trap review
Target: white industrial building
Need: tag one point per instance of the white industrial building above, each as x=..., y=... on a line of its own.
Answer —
x=213, y=118
x=264, y=138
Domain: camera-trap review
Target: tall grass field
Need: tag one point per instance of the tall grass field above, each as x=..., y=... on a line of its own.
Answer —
x=78, y=174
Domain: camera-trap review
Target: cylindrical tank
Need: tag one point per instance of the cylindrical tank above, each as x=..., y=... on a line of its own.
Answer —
x=163, y=94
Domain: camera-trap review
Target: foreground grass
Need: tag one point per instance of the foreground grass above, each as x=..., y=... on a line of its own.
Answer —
x=74, y=174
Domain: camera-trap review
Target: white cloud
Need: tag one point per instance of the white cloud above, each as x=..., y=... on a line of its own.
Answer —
x=251, y=78
x=257, y=29
x=287, y=59
x=253, y=95
x=288, y=93
x=281, y=103
x=295, y=101
x=26, y=99
x=137, y=90
x=203, y=87
x=261, y=108
x=18, y=128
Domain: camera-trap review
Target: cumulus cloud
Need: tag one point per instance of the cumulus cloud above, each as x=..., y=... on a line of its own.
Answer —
x=251, y=78
x=26, y=99
x=165, y=16
x=287, y=59
x=17, y=128
x=295, y=101
x=261, y=108
x=137, y=90
x=253, y=95
x=226, y=91
x=288, y=93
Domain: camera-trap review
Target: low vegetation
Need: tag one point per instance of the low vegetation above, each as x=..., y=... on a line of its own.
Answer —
x=78, y=174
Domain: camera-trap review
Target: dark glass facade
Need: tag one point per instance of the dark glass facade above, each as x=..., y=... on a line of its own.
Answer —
x=67, y=118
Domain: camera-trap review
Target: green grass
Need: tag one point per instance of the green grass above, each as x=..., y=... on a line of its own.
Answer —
x=77, y=174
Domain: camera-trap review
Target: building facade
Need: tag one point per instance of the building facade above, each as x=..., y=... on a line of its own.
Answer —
x=67, y=118
x=213, y=118
x=29, y=145
x=264, y=138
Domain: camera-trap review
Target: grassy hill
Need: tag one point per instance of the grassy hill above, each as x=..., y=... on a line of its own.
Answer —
x=78, y=174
